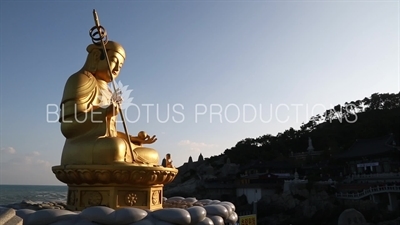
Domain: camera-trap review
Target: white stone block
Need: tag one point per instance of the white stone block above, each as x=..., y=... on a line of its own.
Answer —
x=99, y=214
x=173, y=215
x=197, y=214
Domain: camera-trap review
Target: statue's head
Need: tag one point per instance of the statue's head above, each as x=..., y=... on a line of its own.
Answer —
x=96, y=61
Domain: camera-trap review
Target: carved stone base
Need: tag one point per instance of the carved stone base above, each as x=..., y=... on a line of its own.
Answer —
x=114, y=186
x=81, y=197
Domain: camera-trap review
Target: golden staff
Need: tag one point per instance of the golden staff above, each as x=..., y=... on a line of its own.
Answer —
x=101, y=31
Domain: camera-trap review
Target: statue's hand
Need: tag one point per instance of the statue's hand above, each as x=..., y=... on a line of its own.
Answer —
x=143, y=138
x=117, y=97
x=150, y=140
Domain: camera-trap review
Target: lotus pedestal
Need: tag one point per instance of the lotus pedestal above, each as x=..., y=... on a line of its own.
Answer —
x=114, y=186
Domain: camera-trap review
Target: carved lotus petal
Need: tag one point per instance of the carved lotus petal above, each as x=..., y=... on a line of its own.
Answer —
x=158, y=179
x=103, y=176
x=162, y=176
x=137, y=176
x=120, y=176
x=81, y=174
x=171, y=177
x=73, y=176
x=153, y=176
x=61, y=175
x=86, y=176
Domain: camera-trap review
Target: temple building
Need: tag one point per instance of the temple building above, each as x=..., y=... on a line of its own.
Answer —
x=372, y=171
x=371, y=156
x=371, y=161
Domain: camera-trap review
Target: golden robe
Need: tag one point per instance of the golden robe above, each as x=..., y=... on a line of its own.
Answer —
x=91, y=135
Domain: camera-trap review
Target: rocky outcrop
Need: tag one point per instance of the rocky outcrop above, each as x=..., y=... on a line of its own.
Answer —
x=308, y=203
x=26, y=204
x=193, y=176
x=351, y=217
x=187, y=188
x=299, y=205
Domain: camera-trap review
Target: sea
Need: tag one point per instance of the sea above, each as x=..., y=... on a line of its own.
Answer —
x=10, y=194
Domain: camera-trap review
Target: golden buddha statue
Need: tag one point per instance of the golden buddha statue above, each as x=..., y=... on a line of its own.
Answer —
x=168, y=161
x=89, y=125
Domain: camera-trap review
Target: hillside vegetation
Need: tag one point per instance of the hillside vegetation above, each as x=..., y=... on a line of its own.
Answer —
x=332, y=132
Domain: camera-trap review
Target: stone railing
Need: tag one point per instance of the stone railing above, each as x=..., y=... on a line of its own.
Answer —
x=374, y=176
x=297, y=181
x=370, y=191
x=326, y=182
x=306, y=181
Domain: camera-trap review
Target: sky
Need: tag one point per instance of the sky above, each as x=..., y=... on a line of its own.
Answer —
x=200, y=75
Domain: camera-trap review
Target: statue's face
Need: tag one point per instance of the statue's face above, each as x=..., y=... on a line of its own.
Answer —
x=116, y=62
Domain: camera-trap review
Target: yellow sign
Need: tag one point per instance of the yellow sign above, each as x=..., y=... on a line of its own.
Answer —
x=248, y=220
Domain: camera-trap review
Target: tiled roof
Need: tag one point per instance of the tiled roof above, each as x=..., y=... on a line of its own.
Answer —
x=369, y=147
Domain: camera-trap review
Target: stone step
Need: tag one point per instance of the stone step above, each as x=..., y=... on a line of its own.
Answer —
x=6, y=215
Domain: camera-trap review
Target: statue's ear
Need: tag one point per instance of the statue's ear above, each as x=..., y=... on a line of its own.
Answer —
x=94, y=58
x=96, y=54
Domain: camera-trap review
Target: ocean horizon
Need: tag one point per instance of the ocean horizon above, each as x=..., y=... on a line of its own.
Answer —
x=10, y=193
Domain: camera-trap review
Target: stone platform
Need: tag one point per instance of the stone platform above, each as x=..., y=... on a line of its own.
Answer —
x=177, y=210
x=9, y=217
